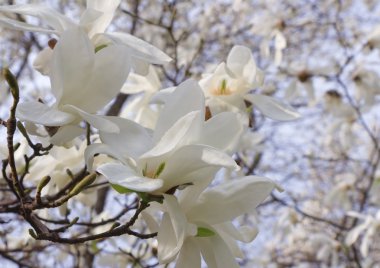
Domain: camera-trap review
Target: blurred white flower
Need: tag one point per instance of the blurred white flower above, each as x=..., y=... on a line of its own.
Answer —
x=369, y=228
x=270, y=27
x=367, y=85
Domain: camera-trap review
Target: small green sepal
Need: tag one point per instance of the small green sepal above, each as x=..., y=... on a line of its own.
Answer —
x=204, y=232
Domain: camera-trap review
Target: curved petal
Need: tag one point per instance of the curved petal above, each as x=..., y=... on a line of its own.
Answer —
x=66, y=134
x=222, y=131
x=172, y=232
x=97, y=121
x=39, y=113
x=71, y=66
x=89, y=20
x=186, y=128
x=230, y=234
x=216, y=253
x=100, y=148
x=22, y=26
x=105, y=80
x=182, y=164
x=188, y=97
x=140, y=48
x=133, y=140
x=272, y=107
x=42, y=61
x=126, y=177
x=230, y=200
x=190, y=255
x=108, y=7
x=53, y=18
x=240, y=62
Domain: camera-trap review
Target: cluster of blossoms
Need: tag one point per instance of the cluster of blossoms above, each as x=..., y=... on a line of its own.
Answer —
x=168, y=156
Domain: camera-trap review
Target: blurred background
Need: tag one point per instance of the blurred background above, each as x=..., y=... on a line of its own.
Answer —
x=321, y=57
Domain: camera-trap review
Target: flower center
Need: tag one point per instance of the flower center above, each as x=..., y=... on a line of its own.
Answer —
x=222, y=89
x=153, y=173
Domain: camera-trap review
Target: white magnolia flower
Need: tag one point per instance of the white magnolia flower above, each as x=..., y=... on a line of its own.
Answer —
x=140, y=109
x=94, y=20
x=200, y=222
x=337, y=107
x=229, y=86
x=340, y=195
x=183, y=147
x=369, y=227
x=367, y=86
x=271, y=28
x=82, y=82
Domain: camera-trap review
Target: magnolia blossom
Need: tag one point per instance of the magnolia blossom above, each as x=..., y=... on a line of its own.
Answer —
x=201, y=222
x=140, y=109
x=300, y=85
x=337, y=107
x=367, y=86
x=182, y=149
x=228, y=88
x=82, y=82
x=369, y=227
x=341, y=193
x=94, y=20
x=270, y=29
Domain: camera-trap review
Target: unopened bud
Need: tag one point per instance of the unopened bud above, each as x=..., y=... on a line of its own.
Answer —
x=88, y=180
x=45, y=180
x=12, y=82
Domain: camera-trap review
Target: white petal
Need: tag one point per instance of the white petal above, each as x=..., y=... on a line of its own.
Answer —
x=89, y=20
x=108, y=8
x=354, y=233
x=181, y=133
x=133, y=140
x=222, y=131
x=190, y=255
x=106, y=79
x=40, y=113
x=162, y=96
x=99, y=148
x=182, y=164
x=66, y=134
x=42, y=61
x=230, y=200
x=150, y=221
x=126, y=177
x=240, y=61
x=71, y=66
x=140, y=48
x=97, y=121
x=18, y=25
x=50, y=16
x=171, y=234
x=140, y=66
x=238, y=57
x=223, y=255
x=138, y=83
x=280, y=41
x=188, y=97
x=272, y=107
x=216, y=253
